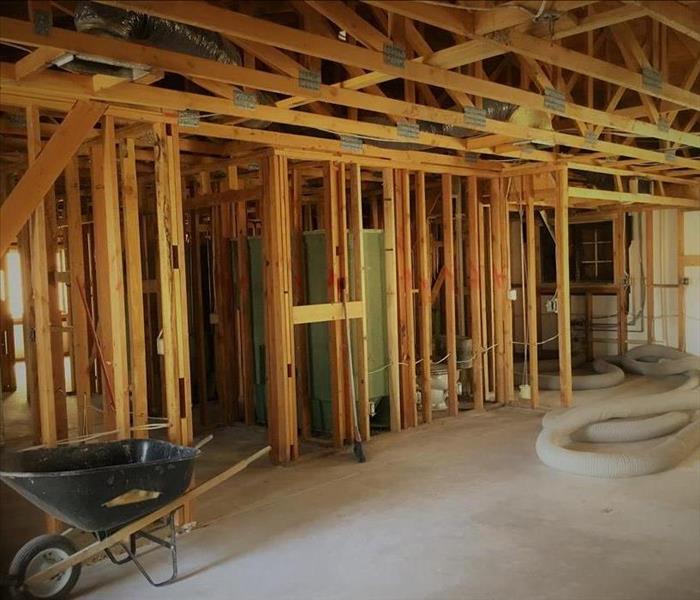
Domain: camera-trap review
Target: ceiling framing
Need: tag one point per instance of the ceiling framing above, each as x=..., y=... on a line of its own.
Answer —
x=614, y=86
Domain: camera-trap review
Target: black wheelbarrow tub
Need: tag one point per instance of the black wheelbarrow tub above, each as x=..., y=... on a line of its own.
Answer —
x=101, y=487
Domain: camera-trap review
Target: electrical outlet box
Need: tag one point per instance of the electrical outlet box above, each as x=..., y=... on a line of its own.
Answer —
x=551, y=305
x=512, y=294
x=213, y=318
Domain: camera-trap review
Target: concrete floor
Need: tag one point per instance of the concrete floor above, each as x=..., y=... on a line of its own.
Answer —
x=459, y=509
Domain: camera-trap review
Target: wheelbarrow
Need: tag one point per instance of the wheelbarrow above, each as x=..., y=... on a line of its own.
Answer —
x=114, y=490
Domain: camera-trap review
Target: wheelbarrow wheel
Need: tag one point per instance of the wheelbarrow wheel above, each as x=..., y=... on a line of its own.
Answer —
x=37, y=555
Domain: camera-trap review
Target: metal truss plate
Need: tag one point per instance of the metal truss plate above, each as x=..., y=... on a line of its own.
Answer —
x=245, y=99
x=476, y=117
x=554, y=100
x=310, y=80
x=188, y=118
x=651, y=79
x=408, y=130
x=394, y=56
x=350, y=143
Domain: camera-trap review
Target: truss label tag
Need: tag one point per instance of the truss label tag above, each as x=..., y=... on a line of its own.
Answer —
x=245, y=100
x=351, y=143
x=476, y=117
x=43, y=21
x=663, y=124
x=394, y=56
x=310, y=80
x=408, y=130
x=670, y=155
x=554, y=100
x=651, y=79
x=188, y=118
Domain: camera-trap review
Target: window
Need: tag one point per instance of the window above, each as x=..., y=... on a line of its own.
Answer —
x=590, y=253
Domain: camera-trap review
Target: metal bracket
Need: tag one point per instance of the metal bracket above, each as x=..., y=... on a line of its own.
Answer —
x=188, y=118
x=245, y=100
x=471, y=157
x=43, y=21
x=394, y=56
x=310, y=80
x=651, y=79
x=670, y=155
x=663, y=124
x=476, y=117
x=351, y=143
x=408, y=130
x=554, y=100
x=591, y=138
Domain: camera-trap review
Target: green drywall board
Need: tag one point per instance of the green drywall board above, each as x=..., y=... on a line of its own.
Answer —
x=319, y=372
x=377, y=356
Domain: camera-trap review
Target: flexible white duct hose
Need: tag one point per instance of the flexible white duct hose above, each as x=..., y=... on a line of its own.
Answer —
x=669, y=411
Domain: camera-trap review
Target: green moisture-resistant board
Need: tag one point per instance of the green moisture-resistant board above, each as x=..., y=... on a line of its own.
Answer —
x=318, y=359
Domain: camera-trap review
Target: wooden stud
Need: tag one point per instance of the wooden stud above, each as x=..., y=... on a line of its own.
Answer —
x=498, y=290
x=81, y=358
x=561, y=231
x=649, y=265
x=279, y=331
x=680, y=252
x=532, y=301
x=167, y=258
x=407, y=352
x=425, y=302
x=335, y=328
x=392, y=323
x=360, y=325
x=41, y=301
x=475, y=294
x=450, y=321
x=134, y=285
x=110, y=281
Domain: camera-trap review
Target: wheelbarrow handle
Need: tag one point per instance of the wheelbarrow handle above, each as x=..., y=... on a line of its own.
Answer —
x=204, y=441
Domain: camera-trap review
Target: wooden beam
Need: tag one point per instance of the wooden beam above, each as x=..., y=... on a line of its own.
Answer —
x=561, y=230
x=675, y=15
x=43, y=341
x=392, y=324
x=45, y=169
x=134, y=285
x=425, y=301
x=680, y=252
x=236, y=24
x=358, y=278
x=321, y=313
x=450, y=319
x=279, y=331
x=532, y=298
x=110, y=280
x=166, y=280
x=36, y=61
x=649, y=274
x=79, y=333
x=579, y=193
x=475, y=294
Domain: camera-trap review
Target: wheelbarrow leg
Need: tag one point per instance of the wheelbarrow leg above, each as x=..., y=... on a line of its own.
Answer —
x=171, y=544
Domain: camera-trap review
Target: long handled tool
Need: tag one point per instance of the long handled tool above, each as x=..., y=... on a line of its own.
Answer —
x=357, y=449
x=98, y=346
